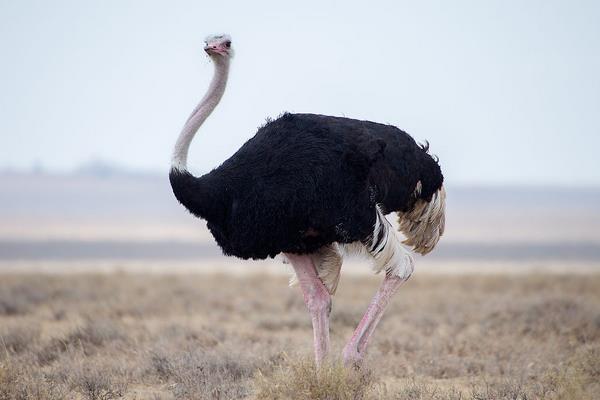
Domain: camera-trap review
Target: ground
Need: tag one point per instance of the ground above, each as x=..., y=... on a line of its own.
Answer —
x=207, y=336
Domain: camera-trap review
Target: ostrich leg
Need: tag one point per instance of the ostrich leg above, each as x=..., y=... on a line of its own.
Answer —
x=355, y=350
x=317, y=300
x=389, y=255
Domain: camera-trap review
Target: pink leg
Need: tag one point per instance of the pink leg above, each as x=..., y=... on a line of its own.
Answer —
x=317, y=300
x=354, y=351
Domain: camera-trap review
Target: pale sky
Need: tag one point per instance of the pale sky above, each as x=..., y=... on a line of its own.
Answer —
x=505, y=91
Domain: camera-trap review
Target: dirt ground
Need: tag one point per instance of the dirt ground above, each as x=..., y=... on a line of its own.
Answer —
x=211, y=336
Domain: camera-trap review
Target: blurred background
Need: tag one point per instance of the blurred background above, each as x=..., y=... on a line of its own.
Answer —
x=94, y=94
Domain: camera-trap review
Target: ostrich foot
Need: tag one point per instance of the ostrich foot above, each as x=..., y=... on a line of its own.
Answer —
x=317, y=300
x=354, y=351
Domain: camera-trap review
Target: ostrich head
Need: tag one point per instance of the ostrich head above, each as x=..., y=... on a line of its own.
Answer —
x=218, y=46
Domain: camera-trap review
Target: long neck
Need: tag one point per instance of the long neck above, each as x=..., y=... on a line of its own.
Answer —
x=200, y=113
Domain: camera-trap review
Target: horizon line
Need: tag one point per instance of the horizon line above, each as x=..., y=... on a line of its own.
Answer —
x=114, y=171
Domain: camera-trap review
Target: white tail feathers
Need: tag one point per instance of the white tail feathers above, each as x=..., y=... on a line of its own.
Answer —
x=387, y=251
x=425, y=223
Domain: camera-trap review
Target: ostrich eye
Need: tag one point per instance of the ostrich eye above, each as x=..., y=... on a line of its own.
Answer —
x=228, y=44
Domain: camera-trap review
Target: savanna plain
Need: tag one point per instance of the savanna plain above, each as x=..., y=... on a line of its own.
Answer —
x=218, y=336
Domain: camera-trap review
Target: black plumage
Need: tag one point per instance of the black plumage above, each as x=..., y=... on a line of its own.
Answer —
x=305, y=181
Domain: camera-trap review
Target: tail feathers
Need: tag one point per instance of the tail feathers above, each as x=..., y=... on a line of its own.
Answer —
x=425, y=223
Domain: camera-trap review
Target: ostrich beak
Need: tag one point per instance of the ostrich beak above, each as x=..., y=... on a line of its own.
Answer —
x=213, y=50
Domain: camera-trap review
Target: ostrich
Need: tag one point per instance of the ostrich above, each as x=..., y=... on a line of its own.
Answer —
x=316, y=188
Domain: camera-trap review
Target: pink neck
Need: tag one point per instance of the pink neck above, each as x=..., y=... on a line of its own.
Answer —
x=200, y=113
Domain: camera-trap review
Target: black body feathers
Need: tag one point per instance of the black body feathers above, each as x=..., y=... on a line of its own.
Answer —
x=305, y=181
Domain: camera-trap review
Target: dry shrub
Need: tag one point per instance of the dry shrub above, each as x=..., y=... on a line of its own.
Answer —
x=580, y=378
x=160, y=365
x=95, y=382
x=19, y=382
x=94, y=334
x=207, y=374
x=587, y=361
x=50, y=352
x=300, y=379
x=17, y=339
x=505, y=390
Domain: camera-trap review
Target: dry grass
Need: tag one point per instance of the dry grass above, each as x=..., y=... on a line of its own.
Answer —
x=98, y=382
x=216, y=336
x=300, y=379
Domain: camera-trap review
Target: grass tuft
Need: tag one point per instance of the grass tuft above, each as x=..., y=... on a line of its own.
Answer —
x=96, y=383
x=88, y=338
x=18, y=339
x=300, y=379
